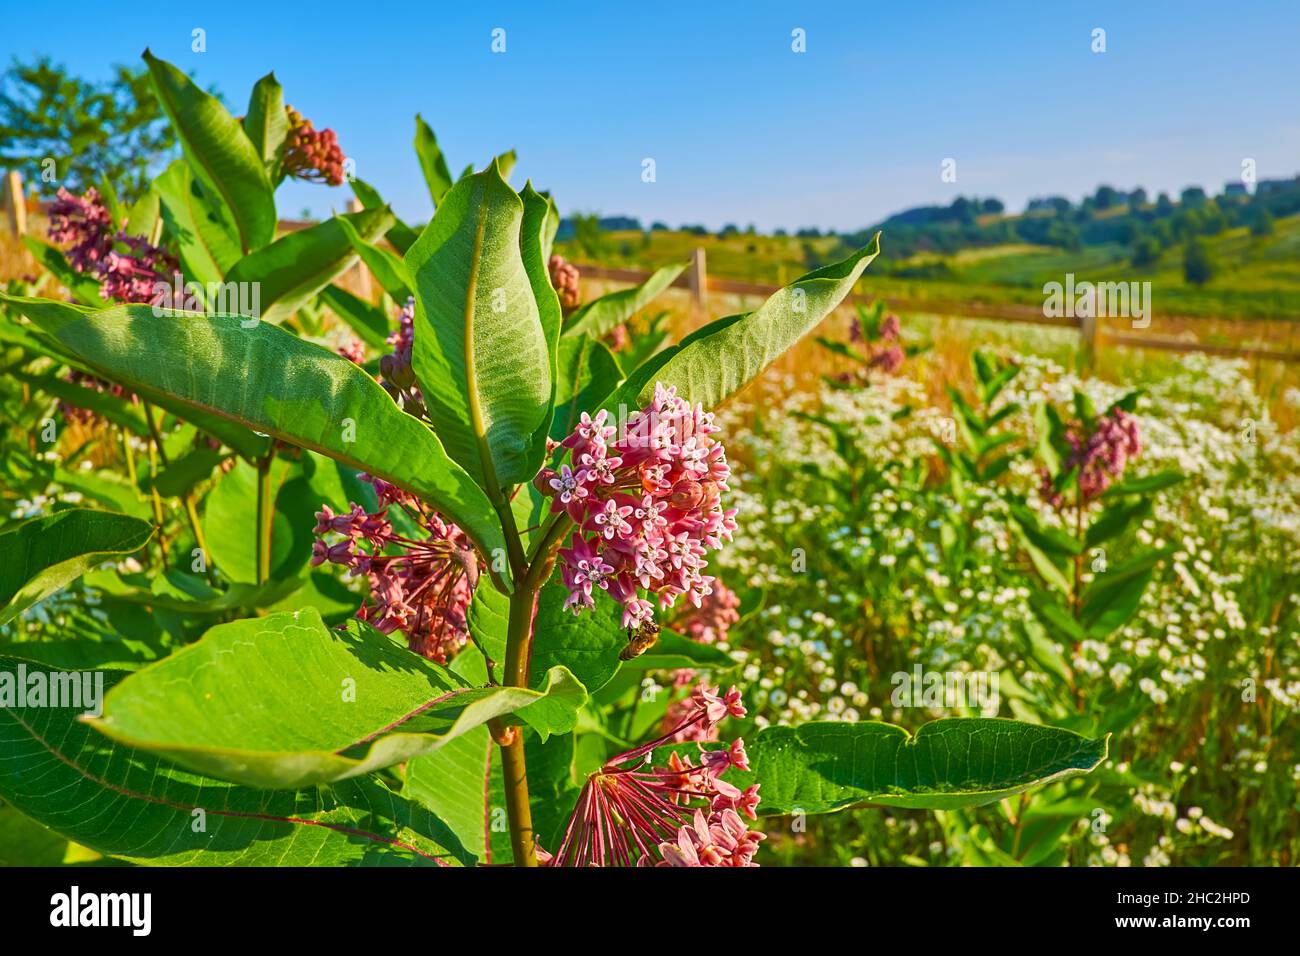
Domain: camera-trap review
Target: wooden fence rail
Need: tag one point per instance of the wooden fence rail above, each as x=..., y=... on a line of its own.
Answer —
x=695, y=281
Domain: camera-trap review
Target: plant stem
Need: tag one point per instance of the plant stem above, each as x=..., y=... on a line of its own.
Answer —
x=519, y=644
x=265, y=516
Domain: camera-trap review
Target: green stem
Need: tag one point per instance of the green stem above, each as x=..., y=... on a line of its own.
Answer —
x=519, y=646
x=265, y=516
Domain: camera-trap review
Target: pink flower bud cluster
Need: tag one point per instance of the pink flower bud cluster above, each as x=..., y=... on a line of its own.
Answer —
x=354, y=350
x=129, y=267
x=311, y=155
x=564, y=279
x=421, y=587
x=395, y=368
x=646, y=505
x=680, y=814
x=1101, y=455
x=709, y=622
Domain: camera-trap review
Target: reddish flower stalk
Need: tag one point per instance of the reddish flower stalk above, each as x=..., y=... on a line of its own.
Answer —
x=423, y=589
x=630, y=813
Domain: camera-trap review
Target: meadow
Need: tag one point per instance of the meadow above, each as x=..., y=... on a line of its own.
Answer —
x=495, y=564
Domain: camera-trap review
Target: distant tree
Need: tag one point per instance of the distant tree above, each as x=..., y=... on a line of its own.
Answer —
x=659, y=227
x=587, y=234
x=1106, y=197
x=729, y=230
x=113, y=130
x=1262, y=223
x=1193, y=197
x=992, y=205
x=781, y=233
x=1198, y=268
x=1137, y=198
x=1146, y=252
x=1164, y=205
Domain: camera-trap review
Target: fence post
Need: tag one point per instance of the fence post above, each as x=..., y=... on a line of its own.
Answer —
x=1089, y=334
x=699, y=280
x=16, y=203
x=363, y=274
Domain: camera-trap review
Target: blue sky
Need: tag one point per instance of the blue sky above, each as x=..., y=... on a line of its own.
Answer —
x=741, y=128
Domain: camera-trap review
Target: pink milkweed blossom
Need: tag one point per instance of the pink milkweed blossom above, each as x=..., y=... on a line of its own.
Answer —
x=631, y=813
x=564, y=279
x=1101, y=455
x=354, y=350
x=422, y=590
x=647, y=506
x=129, y=268
x=709, y=622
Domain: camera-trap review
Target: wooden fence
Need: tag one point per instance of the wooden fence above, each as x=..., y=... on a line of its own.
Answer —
x=1091, y=332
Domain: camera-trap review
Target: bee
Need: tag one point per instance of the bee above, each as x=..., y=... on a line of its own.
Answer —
x=640, y=639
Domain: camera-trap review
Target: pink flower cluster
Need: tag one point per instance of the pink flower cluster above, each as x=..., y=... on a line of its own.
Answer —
x=420, y=587
x=1101, y=456
x=646, y=505
x=682, y=814
x=708, y=623
x=564, y=279
x=129, y=267
x=309, y=154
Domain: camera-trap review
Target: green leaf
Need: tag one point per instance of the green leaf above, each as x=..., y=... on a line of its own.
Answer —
x=230, y=522
x=370, y=322
x=536, y=236
x=198, y=224
x=287, y=388
x=42, y=555
x=587, y=372
x=145, y=213
x=388, y=269
x=1109, y=603
x=84, y=288
x=819, y=767
x=1052, y=540
x=133, y=806
x=432, y=163
x=223, y=157
x=600, y=316
x=267, y=124
x=1113, y=521
x=481, y=353
x=184, y=473
x=290, y=271
x=1140, y=486
x=725, y=355
x=232, y=704
x=587, y=644
x=399, y=233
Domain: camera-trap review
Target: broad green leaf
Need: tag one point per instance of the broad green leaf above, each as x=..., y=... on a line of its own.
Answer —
x=388, y=269
x=187, y=471
x=267, y=124
x=1053, y=541
x=1109, y=603
x=726, y=355
x=588, y=644
x=587, y=372
x=481, y=353
x=198, y=224
x=600, y=316
x=432, y=162
x=820, y=766
x=134, y=806
x=399, y=233
x=230, y=522
x=42, y=555
x=290, y=271
x=24, y=842
x=232, y=704
x=144, y=214
x=221, y=154
x=287, y=388
x=536, y=234
x=370, y=322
